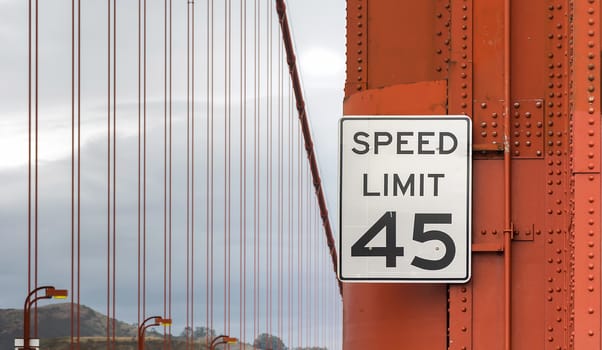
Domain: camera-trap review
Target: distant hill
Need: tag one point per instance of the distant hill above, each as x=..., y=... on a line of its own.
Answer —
x=55, y=330
x=54, y=321
x=122, y=343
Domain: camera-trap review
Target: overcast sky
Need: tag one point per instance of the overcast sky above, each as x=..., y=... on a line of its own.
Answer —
x=319, y=32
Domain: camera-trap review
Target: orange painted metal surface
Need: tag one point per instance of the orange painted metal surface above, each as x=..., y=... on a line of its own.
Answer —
x=408, y=57
x=375, y=313
x=388, y=100
x=460, y=91
x=528, y=69
x=558, y=304
x=585, y=161
x=394, y=316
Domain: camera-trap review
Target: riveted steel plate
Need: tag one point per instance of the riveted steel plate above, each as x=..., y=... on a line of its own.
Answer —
x=488, y=126
x=527, y=125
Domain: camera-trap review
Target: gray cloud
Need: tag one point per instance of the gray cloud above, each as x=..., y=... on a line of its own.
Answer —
x=316, y=25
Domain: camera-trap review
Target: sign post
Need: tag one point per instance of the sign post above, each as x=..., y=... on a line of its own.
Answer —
x=405, y=199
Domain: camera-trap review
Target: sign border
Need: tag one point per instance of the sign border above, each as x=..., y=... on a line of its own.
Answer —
x=463, y=279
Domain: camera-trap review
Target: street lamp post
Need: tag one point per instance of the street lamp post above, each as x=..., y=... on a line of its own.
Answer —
x=50, y=292
x=157, y=321
x=222, y=339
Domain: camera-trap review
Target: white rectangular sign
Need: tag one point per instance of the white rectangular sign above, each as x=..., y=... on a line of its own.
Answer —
x=405, y=199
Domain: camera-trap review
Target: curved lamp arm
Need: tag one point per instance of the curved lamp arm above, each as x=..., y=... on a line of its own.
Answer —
x=50, y=292
x=222, y=339
x=157, y=321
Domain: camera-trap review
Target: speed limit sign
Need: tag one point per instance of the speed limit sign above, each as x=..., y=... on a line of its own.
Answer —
x=405, y=199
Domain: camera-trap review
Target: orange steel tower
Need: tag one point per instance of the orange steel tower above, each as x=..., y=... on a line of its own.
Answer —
x=528, y=74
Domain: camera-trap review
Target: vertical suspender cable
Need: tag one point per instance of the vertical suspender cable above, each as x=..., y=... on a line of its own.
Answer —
x=268, y=303
x=144, y=173
x=321, y=298
x=29, y=157
x=318, y=287
x=308, y=240
x=308, y=244
x=300, y=238
x=326, y=282
x=35, y=327
x=114, y=168
x=78, y=170
x=313, y=276
x=325, y=290
x=290, y=216
x=292, y=229
x=283, y=208
x=329, y=313
x=170, y=172
x=211, y=166
x=306, y=251
x=280, y=192
x=297, y=209
x=258, y=178
x=312, y=268
x=227, y=107
x=192, y=172
x=189, y=198
x=209, y=181
x=189, y=173
x=108, y=326
x=325, y=302
x=207, y=189
x=254, y=169
x=72, y=306
x=336, y=322
x=210, y=161
x=255, y=163
x=307, y=276
x=243, y=167
x=278, y=195
x=310, y=263
x=330, y=300
x=225, y=150
x=332, y=304
x=188, y=329
x=164, y=170
x=229, y=161
x=139, y=167
x=296, y=201
x=292, y=225
x=281, y=202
